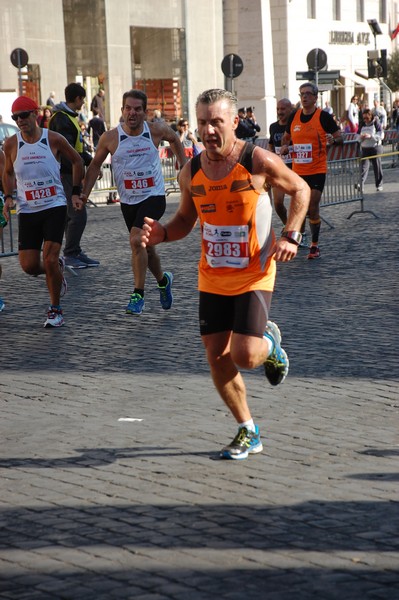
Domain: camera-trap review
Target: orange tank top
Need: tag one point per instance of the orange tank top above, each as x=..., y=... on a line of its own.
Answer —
x=309, y=141
x=236, y=230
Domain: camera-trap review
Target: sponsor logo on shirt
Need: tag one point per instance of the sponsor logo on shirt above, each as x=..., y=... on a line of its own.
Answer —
x=208, y=208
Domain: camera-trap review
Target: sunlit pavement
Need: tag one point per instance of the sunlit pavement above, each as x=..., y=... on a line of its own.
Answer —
x=111, y=486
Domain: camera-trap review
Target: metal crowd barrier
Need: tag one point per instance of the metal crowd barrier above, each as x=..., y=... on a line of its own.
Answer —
x=7, y=239
x=344, y=177
x=169, y=170
x=104, y=190
x=169, y=167
x=390, y=145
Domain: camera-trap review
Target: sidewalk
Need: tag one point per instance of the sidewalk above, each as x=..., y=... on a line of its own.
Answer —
x=93, y=507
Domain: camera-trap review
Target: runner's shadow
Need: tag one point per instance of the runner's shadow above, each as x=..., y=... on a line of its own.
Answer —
x=98, y=457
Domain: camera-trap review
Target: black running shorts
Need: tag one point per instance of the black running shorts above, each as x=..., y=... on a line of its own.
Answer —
x=46, y=225
x=134, y=214
x=315, y=182
x=246, y=313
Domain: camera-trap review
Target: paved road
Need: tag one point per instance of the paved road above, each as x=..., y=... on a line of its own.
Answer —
x=96, y=508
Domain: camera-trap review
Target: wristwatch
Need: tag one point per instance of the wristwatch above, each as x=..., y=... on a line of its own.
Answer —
x=295, y=237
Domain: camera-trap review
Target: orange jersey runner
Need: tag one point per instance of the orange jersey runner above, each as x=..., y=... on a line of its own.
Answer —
x=236, y=229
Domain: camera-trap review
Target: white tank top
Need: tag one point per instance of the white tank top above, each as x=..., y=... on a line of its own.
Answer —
x=37, y=172
x=137, y=167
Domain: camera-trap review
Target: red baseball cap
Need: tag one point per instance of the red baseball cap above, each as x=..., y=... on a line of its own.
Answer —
x=23, y=103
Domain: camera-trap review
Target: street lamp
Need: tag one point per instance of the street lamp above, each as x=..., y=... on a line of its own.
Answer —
x=376, y=59
x=375, y=29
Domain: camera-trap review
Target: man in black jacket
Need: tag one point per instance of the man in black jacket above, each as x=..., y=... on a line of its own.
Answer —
x=244, y=130
x=251, y=120
x=65, y=121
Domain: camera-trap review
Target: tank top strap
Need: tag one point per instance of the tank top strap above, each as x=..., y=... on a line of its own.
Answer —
x=245, y=158
x=44, y=137
x=42, y=140
x=195, y=165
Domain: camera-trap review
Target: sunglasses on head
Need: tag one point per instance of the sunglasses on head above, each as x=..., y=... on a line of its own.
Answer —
x=22, y=115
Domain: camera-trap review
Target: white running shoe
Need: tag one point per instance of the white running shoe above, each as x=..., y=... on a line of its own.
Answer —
x=276, y=364
x=54, y=317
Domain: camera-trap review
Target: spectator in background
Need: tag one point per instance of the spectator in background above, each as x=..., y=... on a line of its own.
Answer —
x=395, y=115
x=344, y=123
x=96, y=127
x=328, y=108
x=87, y=142
x=251, y=120
x=65, y=121
x=186, y=137
x=45, y=117
x=371, y=134
x=380, y=112
x=353, y=114
x=157, y=117
x=244, y=130
x=97, y=104
x=50, y=100
x=362, y=105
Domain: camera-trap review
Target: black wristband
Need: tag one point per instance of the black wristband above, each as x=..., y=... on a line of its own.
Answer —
x=8, y=196
x=76, y=189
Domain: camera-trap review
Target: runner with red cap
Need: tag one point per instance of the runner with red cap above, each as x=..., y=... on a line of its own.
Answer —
x=23, y=103
x=32, y=161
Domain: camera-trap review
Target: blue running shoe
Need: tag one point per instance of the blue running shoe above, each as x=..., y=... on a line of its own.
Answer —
x=90, y=262
x=165, y=292
x=246, y=442
x=277, y=363
x=136, y=304
x=2, y=304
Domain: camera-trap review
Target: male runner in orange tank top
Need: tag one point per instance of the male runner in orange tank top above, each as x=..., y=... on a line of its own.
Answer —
x=225, y=188
x=310, y=130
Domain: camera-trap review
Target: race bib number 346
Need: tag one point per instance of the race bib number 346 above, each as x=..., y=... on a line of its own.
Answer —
x=226, y=245
x=139, y=184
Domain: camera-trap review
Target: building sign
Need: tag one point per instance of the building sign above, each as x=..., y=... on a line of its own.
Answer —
x=349, y=38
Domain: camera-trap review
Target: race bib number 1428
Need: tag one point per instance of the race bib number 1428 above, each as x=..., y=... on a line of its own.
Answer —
x=40, y=194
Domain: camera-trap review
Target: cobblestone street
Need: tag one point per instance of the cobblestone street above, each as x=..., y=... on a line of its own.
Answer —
x=97, y=507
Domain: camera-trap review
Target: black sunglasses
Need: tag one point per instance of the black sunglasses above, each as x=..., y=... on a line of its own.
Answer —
x=22, y=115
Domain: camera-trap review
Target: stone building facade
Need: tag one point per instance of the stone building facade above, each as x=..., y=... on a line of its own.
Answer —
x=274, y=38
